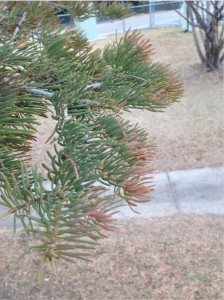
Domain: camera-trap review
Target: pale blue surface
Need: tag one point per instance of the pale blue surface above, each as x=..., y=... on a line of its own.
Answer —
x=89, y=28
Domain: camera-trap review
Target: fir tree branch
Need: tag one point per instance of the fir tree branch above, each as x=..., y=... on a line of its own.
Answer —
x=50, y=137
x=39, y=92
x=18, y=26
x=94, y=86
x=65, y=156
x=46, y=94
x=21, y=206
x=89, y=102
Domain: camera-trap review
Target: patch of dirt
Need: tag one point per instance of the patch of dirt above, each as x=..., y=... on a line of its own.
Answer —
x=170, y=258
x=189, y=133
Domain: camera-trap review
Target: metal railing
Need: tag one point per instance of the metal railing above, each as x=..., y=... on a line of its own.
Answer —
x=152, y=14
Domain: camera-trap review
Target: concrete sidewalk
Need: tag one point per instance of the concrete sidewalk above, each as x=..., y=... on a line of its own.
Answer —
x=139, y=21
x=197, y=191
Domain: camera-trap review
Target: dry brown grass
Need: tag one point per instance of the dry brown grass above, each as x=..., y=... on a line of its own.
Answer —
x=170, y=258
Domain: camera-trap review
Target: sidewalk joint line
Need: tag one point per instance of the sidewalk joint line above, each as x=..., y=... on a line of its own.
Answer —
x=173, y=192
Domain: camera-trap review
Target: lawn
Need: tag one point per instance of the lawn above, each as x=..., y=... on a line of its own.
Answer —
x=170, y=258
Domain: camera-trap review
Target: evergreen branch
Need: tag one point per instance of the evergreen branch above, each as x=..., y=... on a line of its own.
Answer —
x=94, y=144
x=89, y=102
x=123, y=76
x=73, y=165
x=18, y=26
x=21, y=206
x=94, y=86
x=39, y=92
x=50, y=137
x=46, y=94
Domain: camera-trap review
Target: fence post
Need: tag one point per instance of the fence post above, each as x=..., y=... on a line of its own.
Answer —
x=151, y=13
x=184, y=23
x=123, y=21
x=123, y=25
